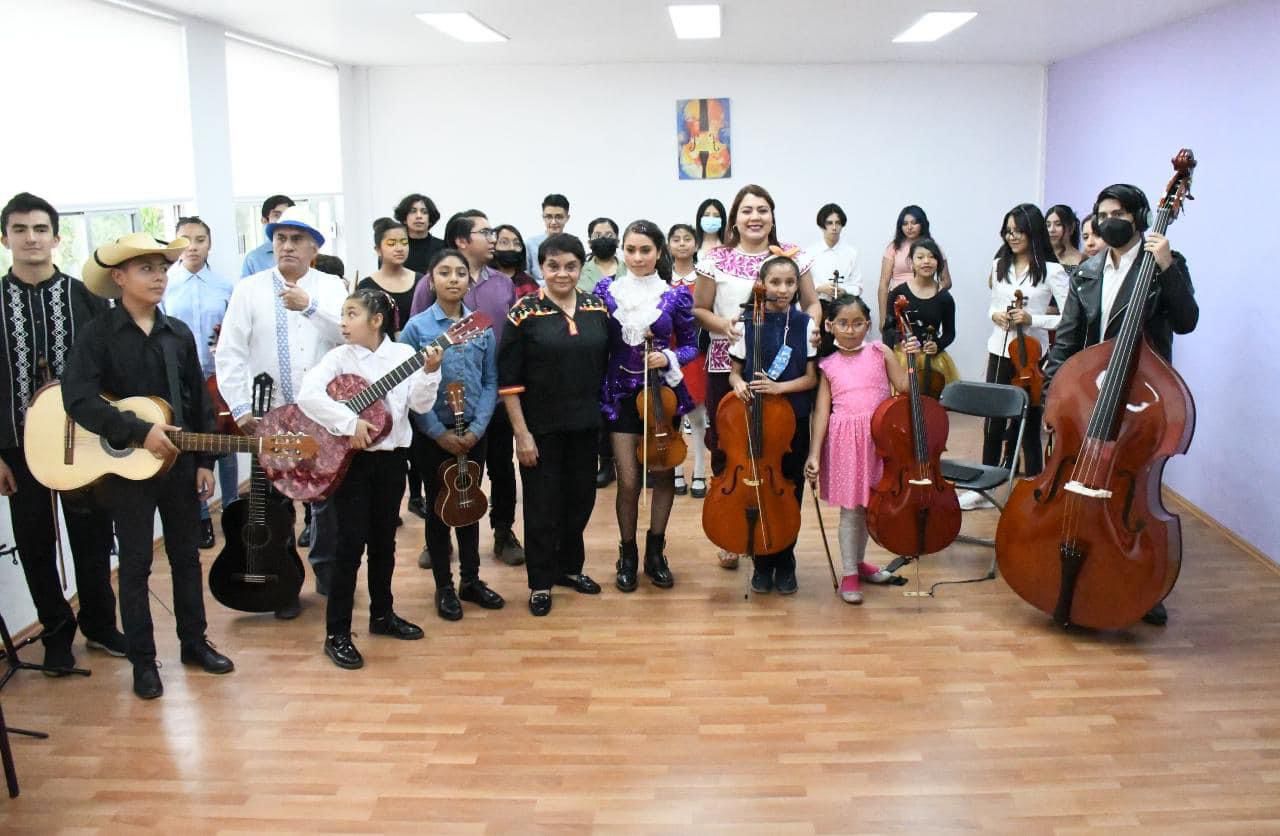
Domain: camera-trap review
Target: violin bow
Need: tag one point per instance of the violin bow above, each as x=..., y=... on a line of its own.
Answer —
x=822, y=526
x=644, y=430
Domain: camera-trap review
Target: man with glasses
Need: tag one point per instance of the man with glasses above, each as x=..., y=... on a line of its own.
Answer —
x=198, y=296
x=263, y=257
x=555, y=214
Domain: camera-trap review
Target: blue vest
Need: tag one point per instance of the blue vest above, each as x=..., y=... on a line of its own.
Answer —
x=775, y=324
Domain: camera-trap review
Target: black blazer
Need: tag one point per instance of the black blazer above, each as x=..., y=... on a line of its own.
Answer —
x=1170, y=309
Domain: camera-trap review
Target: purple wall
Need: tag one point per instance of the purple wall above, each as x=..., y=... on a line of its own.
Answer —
x=1119, y=113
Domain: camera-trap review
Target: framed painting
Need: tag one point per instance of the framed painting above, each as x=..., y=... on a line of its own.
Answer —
x=702, y=137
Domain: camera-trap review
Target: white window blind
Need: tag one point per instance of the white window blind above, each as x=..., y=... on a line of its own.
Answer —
x=97, y=112
x=284, y=123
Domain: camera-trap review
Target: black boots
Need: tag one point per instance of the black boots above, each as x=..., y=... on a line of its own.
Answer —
x=655, y=562
x=628, y=565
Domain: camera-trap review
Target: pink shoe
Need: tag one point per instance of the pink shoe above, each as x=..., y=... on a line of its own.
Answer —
x=872, y=573
x=728, y=560
x=851, y=589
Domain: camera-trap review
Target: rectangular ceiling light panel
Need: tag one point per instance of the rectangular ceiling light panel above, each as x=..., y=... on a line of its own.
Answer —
x=696, y=22
x=933, y=26
x=462, y=26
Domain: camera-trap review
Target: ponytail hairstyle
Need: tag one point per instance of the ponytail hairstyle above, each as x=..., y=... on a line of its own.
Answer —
x=773, y=261
x=1028, y=220
x=827, y=343
x=650, y=230
x=932, y=246
x=377, y=301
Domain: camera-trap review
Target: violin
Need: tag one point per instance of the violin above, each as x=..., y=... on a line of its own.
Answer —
x=662, y=448
x=460, y=501
x=932, y=381
x=751, y=507
x=913, y=510
x=1089, y=541
x=1025, y=357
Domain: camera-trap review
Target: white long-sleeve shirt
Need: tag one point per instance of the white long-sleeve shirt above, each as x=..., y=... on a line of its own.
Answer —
x=259, y=334
x=1035, y=302
x=416, y=392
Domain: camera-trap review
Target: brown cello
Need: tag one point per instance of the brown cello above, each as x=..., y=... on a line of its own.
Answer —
x=1089, y=540
x=913, y=511
x=460, y=502
x=1024, y=358
x=662, y=447
x=751, y=507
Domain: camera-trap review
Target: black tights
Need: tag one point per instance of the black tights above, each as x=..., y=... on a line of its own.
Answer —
x=629, y=487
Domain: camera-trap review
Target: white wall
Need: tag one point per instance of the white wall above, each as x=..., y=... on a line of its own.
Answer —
x=962, y=141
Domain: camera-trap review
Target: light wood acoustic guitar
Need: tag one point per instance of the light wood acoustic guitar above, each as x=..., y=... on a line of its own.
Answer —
x=64, y=456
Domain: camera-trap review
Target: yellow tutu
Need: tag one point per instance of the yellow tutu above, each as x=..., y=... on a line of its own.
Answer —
x=940, y=363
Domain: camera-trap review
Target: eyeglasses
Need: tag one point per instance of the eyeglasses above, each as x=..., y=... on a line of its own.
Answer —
x=396, y=242
x=487, y=233
x=1014, y=233
x=840, y=325
x=555, y=219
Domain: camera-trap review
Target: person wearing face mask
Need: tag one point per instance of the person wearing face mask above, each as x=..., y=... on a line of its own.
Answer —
x=708, y=226
x=603, y=263
x=509, y=259
x=1100, y=292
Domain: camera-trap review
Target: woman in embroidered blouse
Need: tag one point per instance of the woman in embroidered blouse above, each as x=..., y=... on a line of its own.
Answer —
x=726, y=276
x=650, y=327
x=896, y=267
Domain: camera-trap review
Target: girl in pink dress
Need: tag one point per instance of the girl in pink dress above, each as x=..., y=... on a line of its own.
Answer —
x=854, y=380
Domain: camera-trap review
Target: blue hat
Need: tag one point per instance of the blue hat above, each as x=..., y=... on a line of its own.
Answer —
x=299, y=218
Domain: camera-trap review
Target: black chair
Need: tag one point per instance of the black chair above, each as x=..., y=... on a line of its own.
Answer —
x=985, y=400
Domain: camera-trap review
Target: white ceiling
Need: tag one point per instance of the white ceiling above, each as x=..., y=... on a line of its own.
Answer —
x=385, y=32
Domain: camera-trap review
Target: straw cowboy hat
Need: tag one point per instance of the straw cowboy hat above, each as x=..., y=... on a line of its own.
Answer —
x=299, y=218
x=97, y=269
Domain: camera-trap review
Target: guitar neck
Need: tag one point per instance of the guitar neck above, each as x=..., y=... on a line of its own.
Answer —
x=370, y=395
x=214, y=443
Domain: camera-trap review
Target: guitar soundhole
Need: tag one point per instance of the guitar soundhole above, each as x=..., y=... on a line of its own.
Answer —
x=463, y=483
x=114, y=452
x=255, y=536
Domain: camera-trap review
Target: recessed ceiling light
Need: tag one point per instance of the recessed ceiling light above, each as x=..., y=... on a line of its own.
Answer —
x=463, y=26
x=933, y=26
x=696, y=22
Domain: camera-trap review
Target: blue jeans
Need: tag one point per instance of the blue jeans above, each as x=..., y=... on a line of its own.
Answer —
x=228, y=482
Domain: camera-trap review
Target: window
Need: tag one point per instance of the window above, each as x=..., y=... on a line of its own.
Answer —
x=82, y=232
x=326, y=209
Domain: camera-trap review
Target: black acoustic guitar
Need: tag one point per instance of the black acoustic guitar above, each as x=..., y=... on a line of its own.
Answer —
x=259, y=569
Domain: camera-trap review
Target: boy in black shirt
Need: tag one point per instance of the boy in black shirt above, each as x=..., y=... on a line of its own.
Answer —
x=134, y=349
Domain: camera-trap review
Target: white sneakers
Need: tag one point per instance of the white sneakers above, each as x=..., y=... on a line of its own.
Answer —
x=972, y=501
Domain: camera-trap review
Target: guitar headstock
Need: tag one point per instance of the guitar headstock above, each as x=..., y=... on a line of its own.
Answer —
x=468, y=328
x=263, y=387
x=1179, y=189
x=292, y=446
x=455, y=395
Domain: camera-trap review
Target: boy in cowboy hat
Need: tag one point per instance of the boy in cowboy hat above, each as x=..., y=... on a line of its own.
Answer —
x=134, y=349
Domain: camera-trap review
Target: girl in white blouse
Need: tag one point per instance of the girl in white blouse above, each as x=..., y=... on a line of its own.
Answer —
x=367, y=501
x=1025, y=262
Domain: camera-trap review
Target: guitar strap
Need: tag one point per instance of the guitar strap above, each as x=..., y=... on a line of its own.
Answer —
x=171, y=372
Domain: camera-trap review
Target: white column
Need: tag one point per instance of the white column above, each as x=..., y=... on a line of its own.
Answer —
x=358, y=212
x=211, y=141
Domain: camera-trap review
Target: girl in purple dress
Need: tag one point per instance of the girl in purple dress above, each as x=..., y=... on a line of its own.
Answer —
x=651, y=326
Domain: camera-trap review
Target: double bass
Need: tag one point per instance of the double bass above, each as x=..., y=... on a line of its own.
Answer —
x=1024, y=357
x=1089, y=541
x=913, y=510
x=751, y=507
x=662, y=448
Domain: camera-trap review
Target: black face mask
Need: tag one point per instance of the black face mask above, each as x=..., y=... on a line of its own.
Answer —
x=604, y=248
x=509, y=258
x=1116, y=231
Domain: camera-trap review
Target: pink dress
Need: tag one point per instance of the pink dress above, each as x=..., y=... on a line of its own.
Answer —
x=850, y=464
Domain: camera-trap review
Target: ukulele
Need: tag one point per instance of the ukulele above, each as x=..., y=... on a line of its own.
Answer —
x=258, y=569
x=460, y=501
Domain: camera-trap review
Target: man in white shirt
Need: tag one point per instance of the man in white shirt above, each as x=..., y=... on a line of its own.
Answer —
x=282, y=321
x=835, y=264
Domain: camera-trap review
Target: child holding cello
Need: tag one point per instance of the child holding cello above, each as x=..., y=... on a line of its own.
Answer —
x=855, y=378
x=787, y=359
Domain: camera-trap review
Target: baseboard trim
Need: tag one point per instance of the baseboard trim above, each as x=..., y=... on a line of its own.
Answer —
x=1174, y=498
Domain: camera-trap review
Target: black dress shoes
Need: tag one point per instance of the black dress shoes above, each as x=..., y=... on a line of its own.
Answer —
x=478, y=592
x=628, y=564
x=304, y=539
x=342, y=652
x=507, y=548
x=58, y=657
x=581, y=583
x=606, y=474
x=418, y=507
x=290, y=610
x=447, y=604
x=540, y=603
x=203, y=654
x=206, y=534
x=146, y=681
x=1158, y=615
x=396, y=627
x=655, y=561
x=113, y=643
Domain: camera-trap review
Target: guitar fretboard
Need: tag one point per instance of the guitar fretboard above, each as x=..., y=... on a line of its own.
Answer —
x=213, y=443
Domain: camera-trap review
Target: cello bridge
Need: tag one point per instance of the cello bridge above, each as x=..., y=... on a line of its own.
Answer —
x=751, y=483
x=923, y=482
x=1084, y=490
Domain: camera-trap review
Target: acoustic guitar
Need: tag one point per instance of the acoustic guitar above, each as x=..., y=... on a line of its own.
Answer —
x=65, y=456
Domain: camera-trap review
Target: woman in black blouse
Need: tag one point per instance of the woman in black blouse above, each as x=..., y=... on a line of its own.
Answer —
x=551, y=367
x=928, y=306
x=391, y=243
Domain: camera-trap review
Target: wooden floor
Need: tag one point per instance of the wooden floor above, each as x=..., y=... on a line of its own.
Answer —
x=691, y=710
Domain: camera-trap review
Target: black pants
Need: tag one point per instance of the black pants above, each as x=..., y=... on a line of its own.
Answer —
x=500, y=446
x=133, y=507
x=367, y=504
x=432, y=455
x=88, y=531
x=411, y=469
x=559, y=494
x=717, y=387
x=1000, y=435
x=783, y=562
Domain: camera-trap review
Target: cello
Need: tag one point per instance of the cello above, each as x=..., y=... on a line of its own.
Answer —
x=1025, y=357
x=751, y=507
x=460, y=501
x=1089, y=541
x=662, y=447
x=913, y=511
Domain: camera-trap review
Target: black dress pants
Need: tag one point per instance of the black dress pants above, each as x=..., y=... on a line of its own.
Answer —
x=432, y=455
x=88, y=531
x=366, y=506
x=500, y=457
x=559, y=495
x=133, y=507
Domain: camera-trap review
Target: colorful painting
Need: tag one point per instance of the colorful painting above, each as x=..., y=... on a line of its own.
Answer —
x=702, y=132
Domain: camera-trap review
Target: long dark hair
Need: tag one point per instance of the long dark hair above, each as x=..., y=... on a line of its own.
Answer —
x=1066, y=217
x=916, y=212
x=827, y=344
x=729, y=233
x=375, y=300
x=650, y=230
x=932, y=246
x=697, y=220
x=1028, y=220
